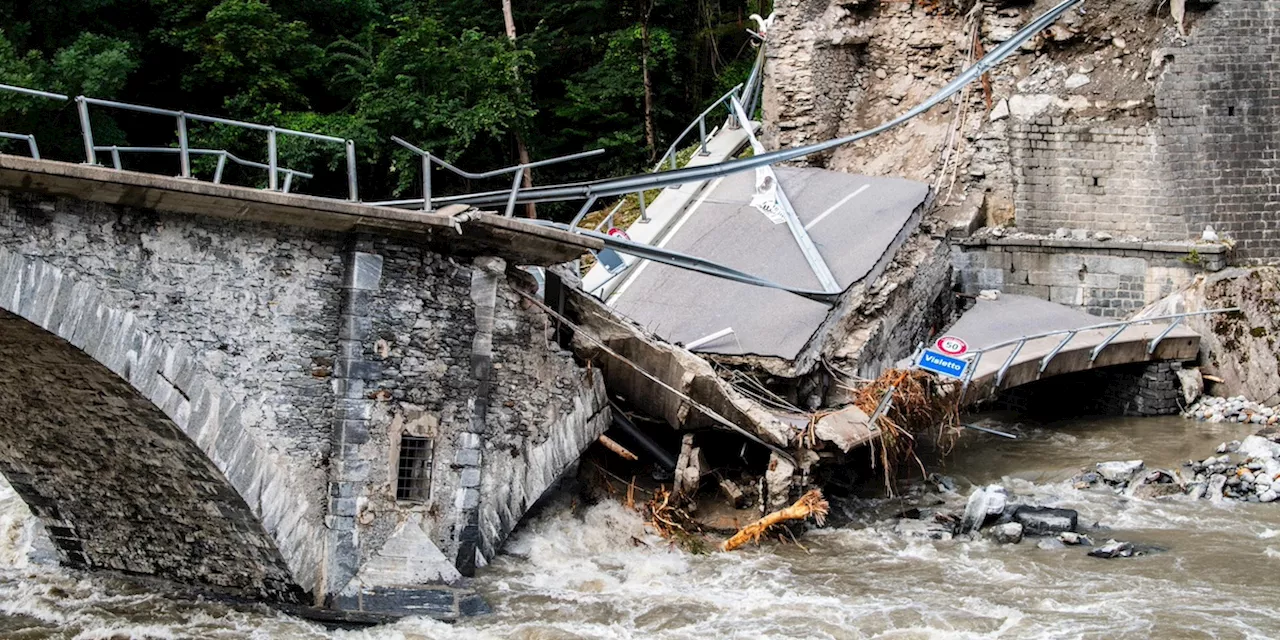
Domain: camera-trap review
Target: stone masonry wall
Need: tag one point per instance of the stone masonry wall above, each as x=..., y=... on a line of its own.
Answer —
x=313, y=354
x=113, y=479
x=1219, y=119
x=1089, y=176
x=1110, y=279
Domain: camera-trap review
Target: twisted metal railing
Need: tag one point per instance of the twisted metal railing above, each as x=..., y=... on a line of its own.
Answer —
x=975, y=356
x=517, y=175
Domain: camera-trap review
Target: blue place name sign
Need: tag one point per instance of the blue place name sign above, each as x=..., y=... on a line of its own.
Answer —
x=941, y=363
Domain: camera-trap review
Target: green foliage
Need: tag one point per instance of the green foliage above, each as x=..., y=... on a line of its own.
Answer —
x=440, y=73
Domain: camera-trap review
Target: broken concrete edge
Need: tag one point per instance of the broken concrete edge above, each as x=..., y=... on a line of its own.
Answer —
x=684, y=371
x=486, y=233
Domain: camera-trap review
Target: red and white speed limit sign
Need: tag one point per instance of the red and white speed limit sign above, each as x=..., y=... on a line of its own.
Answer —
x=952, y=345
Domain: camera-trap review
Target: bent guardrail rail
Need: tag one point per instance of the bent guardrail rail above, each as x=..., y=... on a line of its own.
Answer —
x=975, y=357
x=629, y=184
x=517, y=173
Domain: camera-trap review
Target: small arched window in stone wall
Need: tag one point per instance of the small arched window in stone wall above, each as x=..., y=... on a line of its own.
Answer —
x=413, y=477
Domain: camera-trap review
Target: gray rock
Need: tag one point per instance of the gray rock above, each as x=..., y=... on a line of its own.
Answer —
x=1050, y=543
x=1113, y=549
x=1119, y=472
x=1007, y=533
x=1268, y=496
x=1043, y=521
x=1217, y=482
x=1072, y=538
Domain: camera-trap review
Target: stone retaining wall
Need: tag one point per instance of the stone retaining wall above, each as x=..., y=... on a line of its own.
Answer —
x=1110, y=279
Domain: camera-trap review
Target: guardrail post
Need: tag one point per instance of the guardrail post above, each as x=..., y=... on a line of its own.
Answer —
x=1093, y=355
x=352, y=194
x=184, y=151
x=673, y=159
x=272, y=179
x=426, y=183
x=644, y=215
x=582, y=213
x=702, y=135
x=86, y=131
x=31, y=143
x=1151, y=348
x=1044, y=363
x=222, y=163
x=515, y=188
x=288, y=180
x=1008, y=361
x=115, y=158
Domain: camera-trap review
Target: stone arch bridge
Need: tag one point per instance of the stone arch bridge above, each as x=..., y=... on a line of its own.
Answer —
x=316, y=402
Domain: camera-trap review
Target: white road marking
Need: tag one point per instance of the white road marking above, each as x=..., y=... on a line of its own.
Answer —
x=835, y=206
x=671, y=233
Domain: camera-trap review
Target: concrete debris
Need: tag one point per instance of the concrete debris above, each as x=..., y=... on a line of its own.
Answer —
x=1119, y=472
x=1113, y=549
x=1075, y=81
x=1007, y=533
x=1044, y=521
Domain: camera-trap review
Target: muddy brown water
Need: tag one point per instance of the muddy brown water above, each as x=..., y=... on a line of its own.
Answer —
x=580, y=575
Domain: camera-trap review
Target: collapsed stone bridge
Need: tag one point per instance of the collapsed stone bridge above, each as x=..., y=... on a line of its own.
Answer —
x=316, y=402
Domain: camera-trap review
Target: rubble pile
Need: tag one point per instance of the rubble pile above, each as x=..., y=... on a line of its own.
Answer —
x=1234, y=409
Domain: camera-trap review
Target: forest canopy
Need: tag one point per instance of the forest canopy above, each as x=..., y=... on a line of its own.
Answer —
x=443, y=74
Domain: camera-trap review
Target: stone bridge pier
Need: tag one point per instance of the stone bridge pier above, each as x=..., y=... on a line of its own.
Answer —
x=318, y=403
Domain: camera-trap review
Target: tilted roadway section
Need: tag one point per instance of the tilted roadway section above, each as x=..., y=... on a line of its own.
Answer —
x=857, y=222
x=992, y=322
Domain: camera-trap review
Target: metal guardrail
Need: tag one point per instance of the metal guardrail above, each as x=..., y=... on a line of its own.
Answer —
x=670, y=157
x=517, y=173
x=184, y=149
x=223, y=156
x=976, y=355
x=30, y=139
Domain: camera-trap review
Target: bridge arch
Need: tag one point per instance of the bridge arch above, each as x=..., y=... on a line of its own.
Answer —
x=132, y=454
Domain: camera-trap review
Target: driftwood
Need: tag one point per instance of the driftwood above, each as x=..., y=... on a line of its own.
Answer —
x=612, y=445
x=810, y=504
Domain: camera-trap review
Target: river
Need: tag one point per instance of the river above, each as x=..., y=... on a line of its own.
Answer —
x=594, y=573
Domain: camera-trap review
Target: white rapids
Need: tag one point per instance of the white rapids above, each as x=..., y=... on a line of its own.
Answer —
x=594, y=572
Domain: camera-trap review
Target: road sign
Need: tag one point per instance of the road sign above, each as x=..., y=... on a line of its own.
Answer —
x=952, y=345
x=942, y=363
x=618, y=233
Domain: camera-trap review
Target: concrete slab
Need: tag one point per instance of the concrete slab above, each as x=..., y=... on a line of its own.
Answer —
x=1010, y=316
x=853, y=220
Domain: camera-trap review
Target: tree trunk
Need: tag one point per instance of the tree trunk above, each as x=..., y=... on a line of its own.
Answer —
x=650, y=137
x=522, y=151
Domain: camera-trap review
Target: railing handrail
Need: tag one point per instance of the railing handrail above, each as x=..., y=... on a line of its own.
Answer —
x=1106, y=325
x=674, y=148
x=517, y=172
x=33, y=92
x=204, y=152
x=203, y=118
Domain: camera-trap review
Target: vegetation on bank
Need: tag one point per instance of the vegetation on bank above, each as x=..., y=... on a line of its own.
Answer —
x=622, y=75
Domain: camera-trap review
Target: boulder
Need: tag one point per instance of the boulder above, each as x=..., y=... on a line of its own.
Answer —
x=1044, y=521
x=1113, y=549
x=1007, y=533
x=1120, y=471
